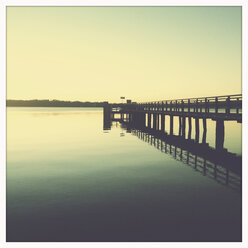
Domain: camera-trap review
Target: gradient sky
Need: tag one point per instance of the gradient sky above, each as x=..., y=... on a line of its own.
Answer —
x=143, y=53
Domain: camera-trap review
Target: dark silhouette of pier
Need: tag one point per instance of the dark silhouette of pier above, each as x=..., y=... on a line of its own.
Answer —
x=152, y=114
x=147, y=122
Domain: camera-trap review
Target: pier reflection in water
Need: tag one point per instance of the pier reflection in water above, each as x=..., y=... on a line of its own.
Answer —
x=218, y=163
x=224, y=168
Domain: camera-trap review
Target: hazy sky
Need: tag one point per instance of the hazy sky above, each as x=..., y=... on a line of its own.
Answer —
x=143, y=53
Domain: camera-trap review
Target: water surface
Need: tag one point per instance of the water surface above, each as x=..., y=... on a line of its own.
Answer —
x=70, y=180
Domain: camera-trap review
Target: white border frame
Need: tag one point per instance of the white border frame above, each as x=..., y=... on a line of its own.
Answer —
x=5, y=3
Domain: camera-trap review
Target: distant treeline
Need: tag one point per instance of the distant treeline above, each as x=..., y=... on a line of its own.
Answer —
x=52, y=103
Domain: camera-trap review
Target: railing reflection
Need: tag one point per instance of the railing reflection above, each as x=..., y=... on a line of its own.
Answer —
x=222, y=166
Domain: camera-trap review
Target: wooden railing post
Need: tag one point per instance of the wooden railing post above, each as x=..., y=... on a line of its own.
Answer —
x=206, y=105
x=228, y=105
x=216, y=104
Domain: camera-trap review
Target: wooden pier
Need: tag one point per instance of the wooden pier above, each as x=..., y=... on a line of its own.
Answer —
x=152, y=114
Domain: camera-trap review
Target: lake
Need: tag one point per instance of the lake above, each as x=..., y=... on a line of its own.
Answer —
x=70, y=180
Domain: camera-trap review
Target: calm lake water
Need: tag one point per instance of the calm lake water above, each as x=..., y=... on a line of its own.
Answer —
x=70, y=180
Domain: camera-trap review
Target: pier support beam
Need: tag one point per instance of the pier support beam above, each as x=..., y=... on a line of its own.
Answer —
x=220, y=134
x=180, y=126
x=162, y=122
x=149, y=120
x=154, y=121
x=190, y=128
x=197, y=130
x=204, y=136
x=107, y=116
x=171, y=124
x=183, y=127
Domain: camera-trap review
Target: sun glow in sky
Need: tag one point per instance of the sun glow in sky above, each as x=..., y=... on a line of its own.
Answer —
x=143, y=53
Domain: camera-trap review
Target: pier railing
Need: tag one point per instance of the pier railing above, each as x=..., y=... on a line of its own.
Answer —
x=231, y=104
x=152, y=114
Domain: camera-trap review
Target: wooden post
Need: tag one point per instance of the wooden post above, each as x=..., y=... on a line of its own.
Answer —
x=107, y=116
x=204, y=136
x=171, y=124
x=190, y=128
x=206, y=105
x=216, y=104
x=149, y=120
x=154, y=121
x=220, y=134
x=228, y=105
x=162, y=122
x=162, y=106
x=180, y=126
x=197, y=129
x=183, y=127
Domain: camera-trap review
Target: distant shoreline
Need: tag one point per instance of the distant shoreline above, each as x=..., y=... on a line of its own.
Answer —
x=52, y=103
